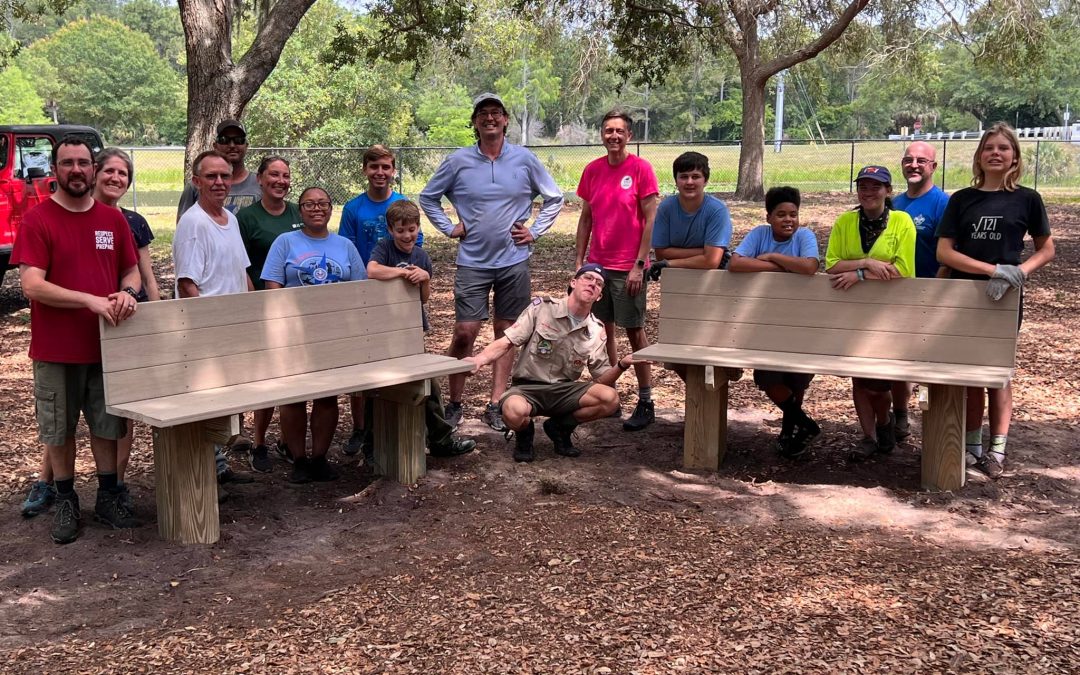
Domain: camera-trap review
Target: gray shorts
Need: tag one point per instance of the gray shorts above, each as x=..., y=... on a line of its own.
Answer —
x=61, y=391
x=472, y=285
x=549, y=400
x=796, y=382
x=616, y=305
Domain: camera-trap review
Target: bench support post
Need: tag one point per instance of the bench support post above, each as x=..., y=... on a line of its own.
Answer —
x=943, y=439
x=186, y=483
x=400, y=440
x=705, y=430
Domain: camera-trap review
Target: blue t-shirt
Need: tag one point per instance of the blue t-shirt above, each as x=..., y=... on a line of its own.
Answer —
x=363, y=222
x=387, y=253
x=759, y=241
x=295, y=259
x=926, y=212
x=708, y=226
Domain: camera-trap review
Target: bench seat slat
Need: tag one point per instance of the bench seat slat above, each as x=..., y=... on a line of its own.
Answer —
x=178, y=409
x=845, y=366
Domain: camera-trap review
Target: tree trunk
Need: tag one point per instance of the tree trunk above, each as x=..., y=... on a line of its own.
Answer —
x=752, y=150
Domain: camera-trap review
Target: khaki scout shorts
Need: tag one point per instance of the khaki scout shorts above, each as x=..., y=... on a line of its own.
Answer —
x=61, y=391
x=550, y=400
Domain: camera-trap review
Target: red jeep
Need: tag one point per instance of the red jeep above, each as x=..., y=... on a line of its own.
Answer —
x=26, y=174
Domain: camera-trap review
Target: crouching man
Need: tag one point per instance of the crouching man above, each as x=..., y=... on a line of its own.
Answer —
x=559, y=339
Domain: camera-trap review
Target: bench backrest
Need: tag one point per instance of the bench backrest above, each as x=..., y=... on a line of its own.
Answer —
x=931, y=320
x=180, y=346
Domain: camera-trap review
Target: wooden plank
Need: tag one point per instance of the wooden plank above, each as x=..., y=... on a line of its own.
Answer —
x=844, y=366
x=705, y=428
x=943, y=439
x=412, y=393
x=183, y=408
x=183, y=346
x=226, y=310
x=960, y=293
x=186, y=485
x=400, y=437
x=213, y=373
x=841, y=342
x=221, y=430
x=839, y=314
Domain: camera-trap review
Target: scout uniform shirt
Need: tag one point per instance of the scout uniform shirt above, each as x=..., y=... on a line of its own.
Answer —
x=556, y=351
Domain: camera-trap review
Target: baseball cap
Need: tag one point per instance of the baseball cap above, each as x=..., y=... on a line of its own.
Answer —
x=878, y=173
x=484, y=98
x=589, y=267
x=230, y=124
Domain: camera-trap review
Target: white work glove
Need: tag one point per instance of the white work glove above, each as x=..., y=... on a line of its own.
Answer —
x=1004, y=278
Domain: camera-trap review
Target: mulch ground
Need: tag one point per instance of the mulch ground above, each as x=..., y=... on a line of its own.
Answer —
x=616, y=562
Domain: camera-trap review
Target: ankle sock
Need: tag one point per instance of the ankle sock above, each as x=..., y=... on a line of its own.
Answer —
x=65, y=488
x=997, y=446
x=973, y=442
x=645, y=395
x=107, y=482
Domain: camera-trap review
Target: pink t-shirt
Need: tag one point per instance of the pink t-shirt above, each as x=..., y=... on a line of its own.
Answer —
x=614, y=194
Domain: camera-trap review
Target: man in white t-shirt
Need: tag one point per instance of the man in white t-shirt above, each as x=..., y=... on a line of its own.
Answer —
x=209, y=254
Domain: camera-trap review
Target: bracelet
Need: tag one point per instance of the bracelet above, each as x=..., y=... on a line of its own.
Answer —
x=861, y=273
x=621, y=367
x=131, y=291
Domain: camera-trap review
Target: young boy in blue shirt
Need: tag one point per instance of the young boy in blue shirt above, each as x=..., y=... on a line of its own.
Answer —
x=782, y=246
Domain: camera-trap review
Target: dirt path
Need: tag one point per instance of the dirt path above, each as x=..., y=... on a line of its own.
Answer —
x=618, y=561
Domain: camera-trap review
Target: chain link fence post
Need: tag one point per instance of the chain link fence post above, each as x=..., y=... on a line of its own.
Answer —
x=1038, y=144
x=851, y=169
x=944, y=161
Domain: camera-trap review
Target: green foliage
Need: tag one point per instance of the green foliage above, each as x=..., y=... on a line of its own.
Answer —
x=442, y=115
x=1052, y=161
x=19, y=103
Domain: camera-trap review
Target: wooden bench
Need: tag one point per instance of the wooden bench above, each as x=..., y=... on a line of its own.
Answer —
x=939, y=332
x=185, y=367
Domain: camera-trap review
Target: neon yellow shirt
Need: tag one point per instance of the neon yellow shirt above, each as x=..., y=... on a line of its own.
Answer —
x=896, y=244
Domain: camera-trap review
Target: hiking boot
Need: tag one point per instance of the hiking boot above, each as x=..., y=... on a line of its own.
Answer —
x=320, y=470
x=523, y=448
x=125, y=497
x=886, y=435
x=301, y=471
x=456, y=446
x=989, y=465
x=41, y=497
x=562, y=439
x=493, y=418
x=230, y=476
x=901, y=426
x=866, y=449
x=110, y=510
x=644, y=415
x=355, y=442
x=452, y=414
x=67, y=521
x=282, y=450
x=260, y=459
x=802, y=435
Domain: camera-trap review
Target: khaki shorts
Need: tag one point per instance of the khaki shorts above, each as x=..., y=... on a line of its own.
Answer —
x=61, y=391
x=549, y=400
x=616, y=305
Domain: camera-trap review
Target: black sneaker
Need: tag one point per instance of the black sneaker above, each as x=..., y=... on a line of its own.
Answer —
x=523, y=448
x=452, y=414
x=67, y=521
x=493, y=418
x=456, y=446
x=260, y=459
x=562, y=439
x=320, y=470
x=110, y=510
x=644, y=415
x=355, y=442
x=301, y=471
x=802, y=435
x=238, y=477
x=283, y=453
x=886, y=435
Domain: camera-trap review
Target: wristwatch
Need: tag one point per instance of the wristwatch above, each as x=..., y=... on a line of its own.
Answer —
x=131, y=291
x=640, y=262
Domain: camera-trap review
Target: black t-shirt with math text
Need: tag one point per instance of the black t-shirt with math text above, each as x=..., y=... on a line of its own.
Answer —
x=990, y=226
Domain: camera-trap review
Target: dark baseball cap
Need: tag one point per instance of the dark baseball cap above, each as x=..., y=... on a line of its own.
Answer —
x=878, y=173
x=589, y=267
x=486, y=97
x=230, y=124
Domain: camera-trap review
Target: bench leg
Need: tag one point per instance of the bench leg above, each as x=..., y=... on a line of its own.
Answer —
x=400, y=437
x=705, y=432
x=187, y=506
x=943, y=439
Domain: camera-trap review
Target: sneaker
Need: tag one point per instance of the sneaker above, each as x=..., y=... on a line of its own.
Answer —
x=866, y=449
x=67, y=521
x=493, y=418
x=355, y=442
x=452, y=414
x=41, y=497
x=989, y=465
x=902, y=427
x=523, y=448
x=886, y=435
x=238, y=443
x=320, y=470
x=970, y=460
x=301, y=471
x=110, y=510
x=802, y=435
x=562, y=439
x=283, y=453
x=456, y=446
x=125, y=496
x=644, y=415
x=230, y=476
x=259, y=459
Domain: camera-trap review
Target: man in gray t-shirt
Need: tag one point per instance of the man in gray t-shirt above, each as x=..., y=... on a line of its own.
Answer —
x=231, y=141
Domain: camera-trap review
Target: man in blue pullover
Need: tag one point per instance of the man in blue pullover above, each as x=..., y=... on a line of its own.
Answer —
x=491, y=186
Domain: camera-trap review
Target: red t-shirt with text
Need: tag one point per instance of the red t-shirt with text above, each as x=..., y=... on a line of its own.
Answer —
x=614, y=194
x=87, y=252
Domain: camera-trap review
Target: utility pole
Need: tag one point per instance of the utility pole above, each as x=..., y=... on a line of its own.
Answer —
x=778, y=129
x=525, y=97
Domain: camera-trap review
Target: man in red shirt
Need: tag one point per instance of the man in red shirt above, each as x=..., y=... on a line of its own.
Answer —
x=77, y=262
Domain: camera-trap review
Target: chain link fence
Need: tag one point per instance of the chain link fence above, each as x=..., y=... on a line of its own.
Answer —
x=1052, y=167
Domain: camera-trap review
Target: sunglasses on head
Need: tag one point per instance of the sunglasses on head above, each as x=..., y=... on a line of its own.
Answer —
x=228, y=139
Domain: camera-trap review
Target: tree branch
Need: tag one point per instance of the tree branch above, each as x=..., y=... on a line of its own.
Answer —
x=251, y=70
x=830, y=35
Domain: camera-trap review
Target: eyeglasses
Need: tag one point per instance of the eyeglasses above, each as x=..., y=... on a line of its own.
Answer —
x=311, y=206
x=231, y=140
x=920, y=161
x=495, y=114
